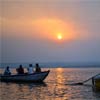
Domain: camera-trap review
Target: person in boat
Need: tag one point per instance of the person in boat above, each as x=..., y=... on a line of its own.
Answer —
x=30, y=69
x=7, y=71
x=37, y=68
x=20, y=70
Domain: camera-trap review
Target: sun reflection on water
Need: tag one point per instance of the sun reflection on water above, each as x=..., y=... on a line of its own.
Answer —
x=59, y=75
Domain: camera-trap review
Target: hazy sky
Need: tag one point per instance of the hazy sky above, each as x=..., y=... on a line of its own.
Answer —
x=30, y=28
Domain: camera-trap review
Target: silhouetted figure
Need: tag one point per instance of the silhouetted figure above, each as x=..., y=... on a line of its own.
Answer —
x=30, y=69
x=20, y=70
x=7, y=71
x=37, y=68
x=93, y=81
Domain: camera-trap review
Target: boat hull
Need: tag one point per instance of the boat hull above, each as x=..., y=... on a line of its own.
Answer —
x=35, y=77
x=96, y=83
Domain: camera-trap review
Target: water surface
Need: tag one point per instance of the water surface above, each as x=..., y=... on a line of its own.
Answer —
x=54, y=87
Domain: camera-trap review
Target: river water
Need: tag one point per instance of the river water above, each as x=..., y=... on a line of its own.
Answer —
x=55, y=87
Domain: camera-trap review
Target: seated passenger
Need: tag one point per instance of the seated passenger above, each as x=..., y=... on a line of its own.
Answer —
x=20, y=70
x=37, y=68
x=7, y=71
x=30, y=69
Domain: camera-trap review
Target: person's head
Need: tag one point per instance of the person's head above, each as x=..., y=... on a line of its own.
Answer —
x=30, y=65
x=37, y=65
x=7, y=67
x=20, y=66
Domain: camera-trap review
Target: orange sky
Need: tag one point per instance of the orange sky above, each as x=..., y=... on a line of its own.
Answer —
x=40, y=18
x=48, y=28
x=37, y=24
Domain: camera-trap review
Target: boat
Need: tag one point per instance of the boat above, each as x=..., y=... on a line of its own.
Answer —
x=96, y=83
x=34, y=77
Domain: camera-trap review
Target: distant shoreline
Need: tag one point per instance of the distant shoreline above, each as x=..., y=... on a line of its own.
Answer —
x=61, y=67
x=53, y=65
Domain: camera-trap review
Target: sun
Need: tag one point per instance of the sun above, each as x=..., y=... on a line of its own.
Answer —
x=59, y=37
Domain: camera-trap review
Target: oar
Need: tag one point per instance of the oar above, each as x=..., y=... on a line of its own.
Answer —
x=81, y=83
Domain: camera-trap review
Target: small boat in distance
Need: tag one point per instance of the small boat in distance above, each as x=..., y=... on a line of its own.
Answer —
x=35, y=77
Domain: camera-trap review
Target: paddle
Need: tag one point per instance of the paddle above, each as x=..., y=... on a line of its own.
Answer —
x=82, y=83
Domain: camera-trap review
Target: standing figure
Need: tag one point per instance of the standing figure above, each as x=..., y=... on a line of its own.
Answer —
x=20, y=70
x=7, y=71
x=30, y=69
x=37, y=68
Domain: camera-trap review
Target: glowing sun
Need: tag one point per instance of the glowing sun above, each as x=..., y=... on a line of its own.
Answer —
x=59, y=37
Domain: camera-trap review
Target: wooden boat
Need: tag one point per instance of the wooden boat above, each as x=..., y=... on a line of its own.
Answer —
x=35, y=77
x=96, y=83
